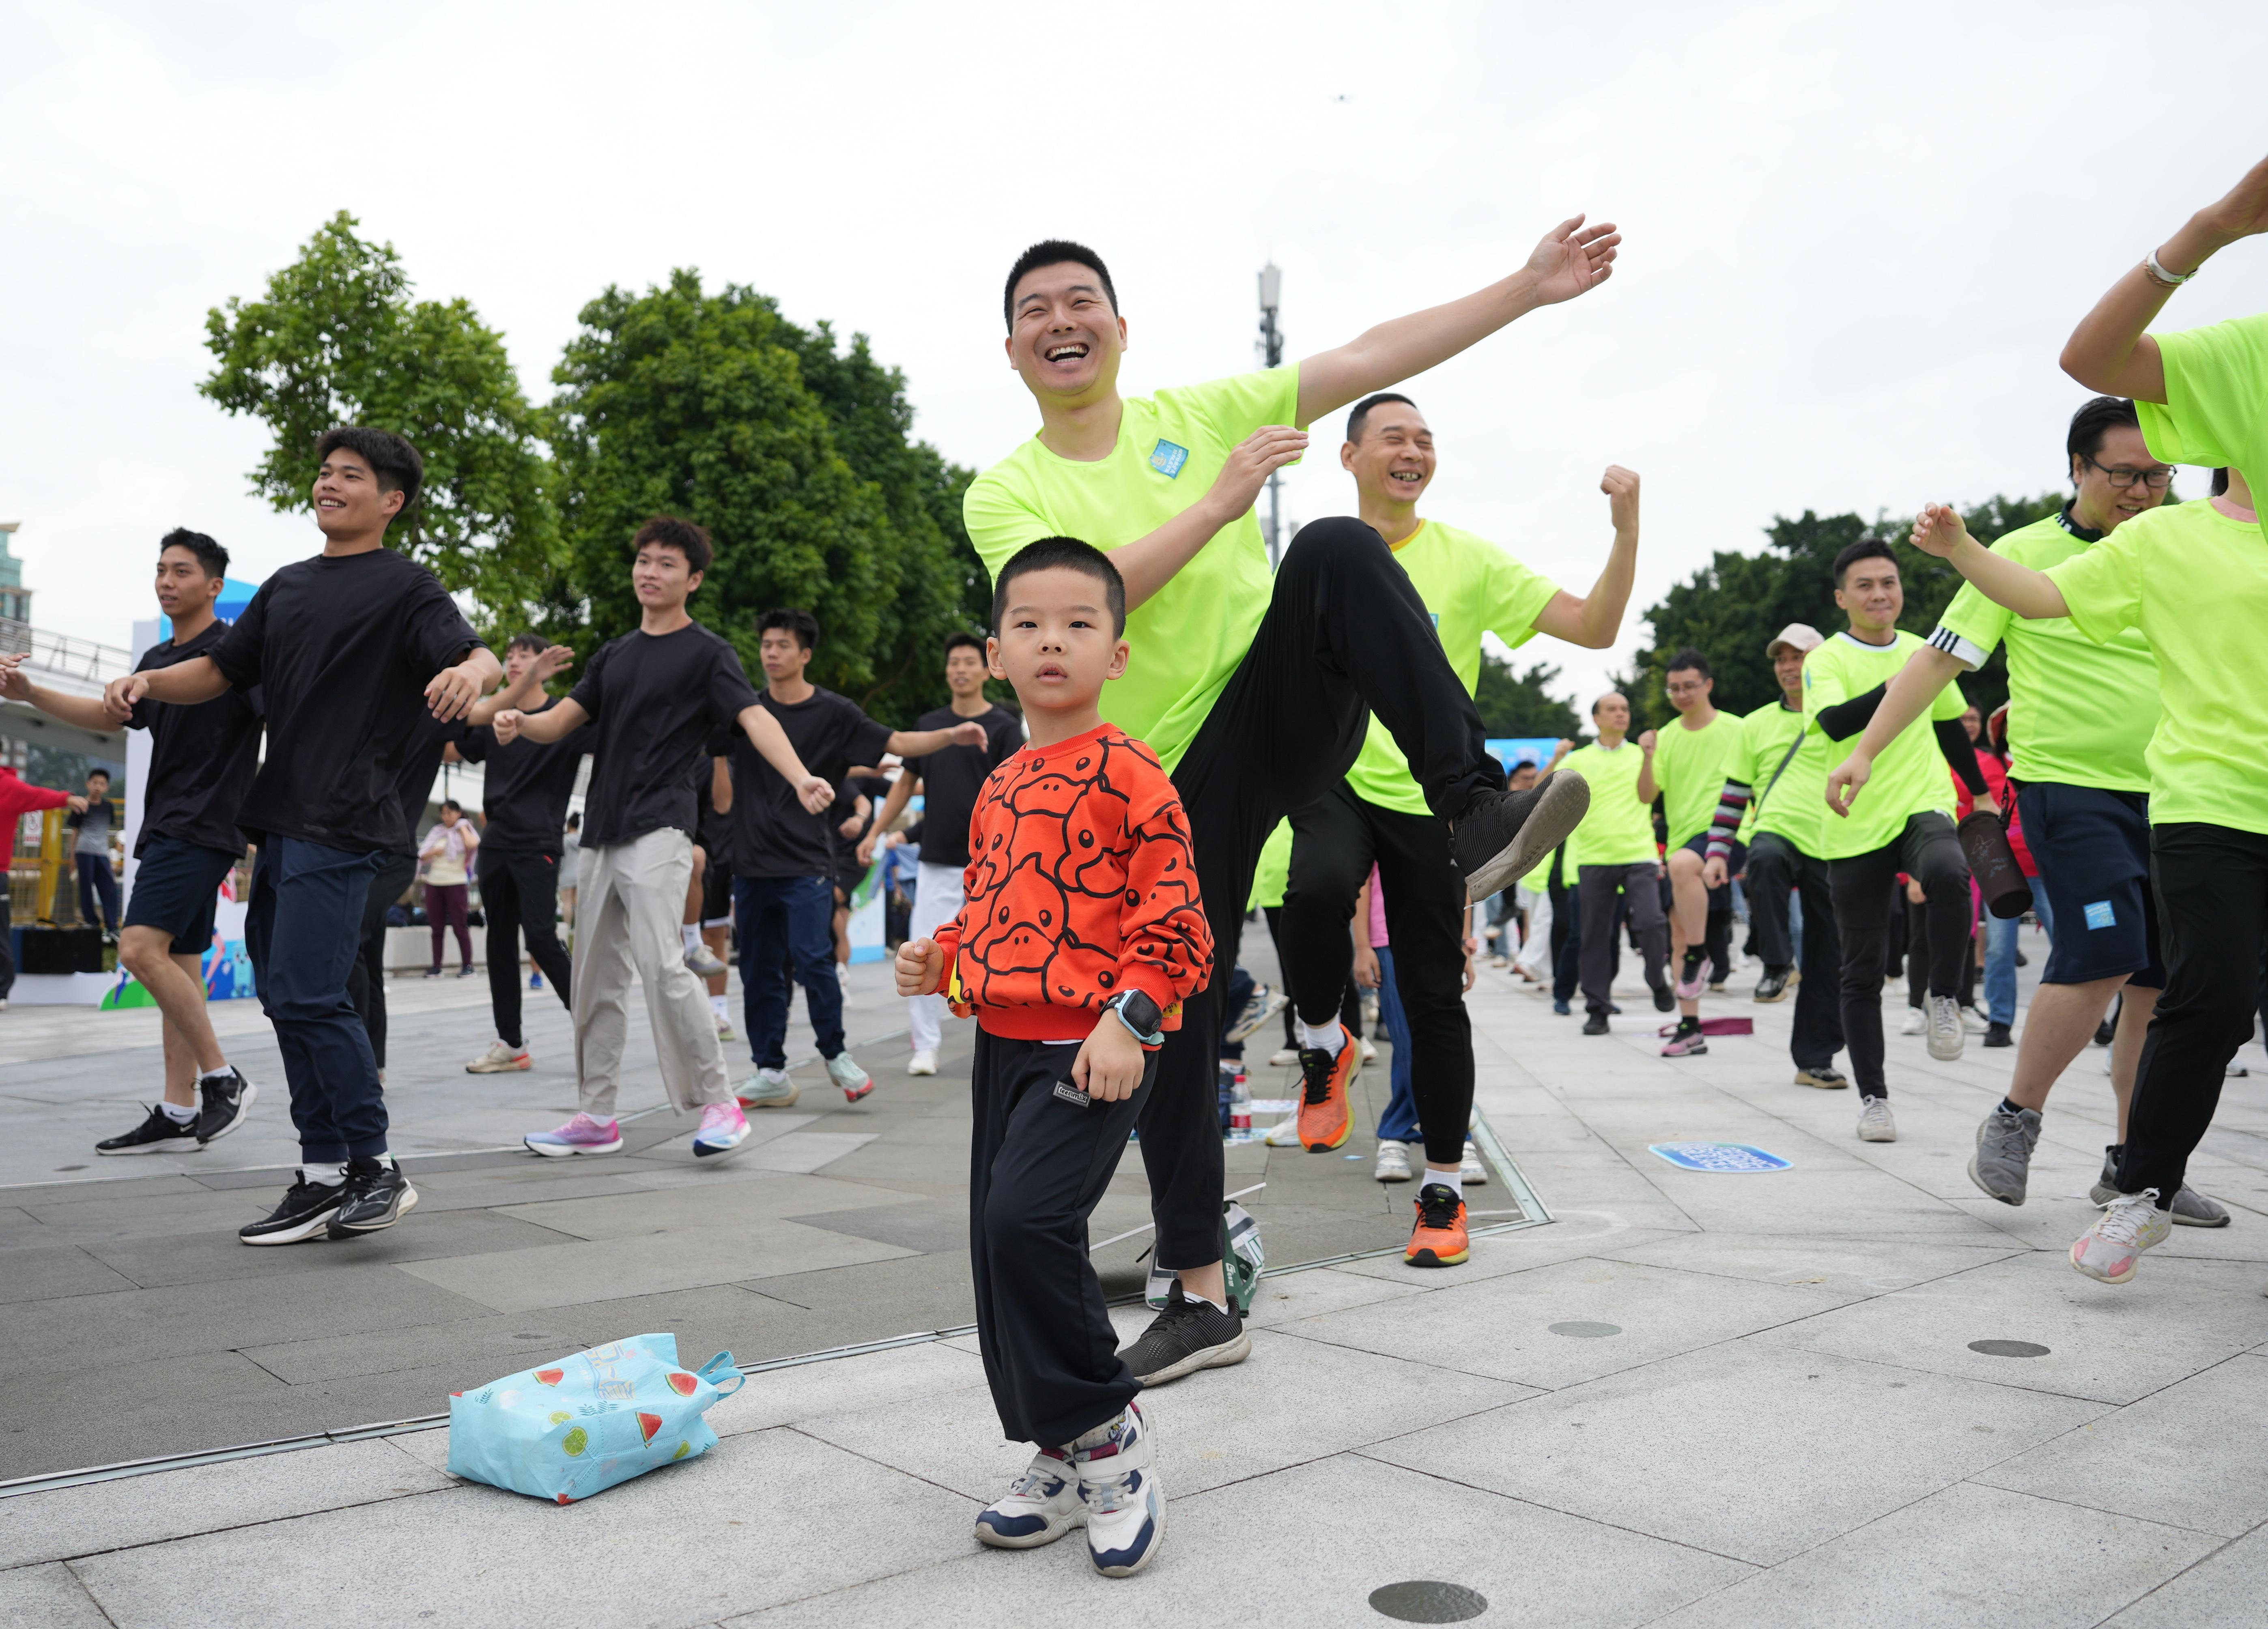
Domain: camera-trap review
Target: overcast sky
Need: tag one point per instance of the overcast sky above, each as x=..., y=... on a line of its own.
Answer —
x=1857, y=235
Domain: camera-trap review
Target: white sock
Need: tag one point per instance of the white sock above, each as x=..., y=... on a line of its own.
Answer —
x=221, y=1074
x=325, y=1173
x=1451, y=1180
x=716, y=1005
x=1328, y=1036
x=180, y=1113
x=692, y=938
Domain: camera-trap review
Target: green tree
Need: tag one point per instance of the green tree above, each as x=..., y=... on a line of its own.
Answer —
x=337, y=339
x=1521, y=704
x=792, y=453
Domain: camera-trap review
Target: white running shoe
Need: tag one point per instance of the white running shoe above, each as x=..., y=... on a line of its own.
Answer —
x=723, y=1025
x=1283, y=1058
x=706, y=962
x=1945, y=1035
x=923, y=1063
x=1874, y=1122
x=1285, y=1133
x=1392, y=1160
x=1915, y=1024
x=1039, y=1507
x=2110, y=1250
x=1974, y=1021
x=1369, y=1052
x=1472, y=1171
x=769, y=1089
x=500, y=1059
x=1118, y=1484
x=843, y=1070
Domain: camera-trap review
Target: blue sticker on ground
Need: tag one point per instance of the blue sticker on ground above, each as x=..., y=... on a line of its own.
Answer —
x=2099, y=914
x=1168, y=459
x=1718, y=1157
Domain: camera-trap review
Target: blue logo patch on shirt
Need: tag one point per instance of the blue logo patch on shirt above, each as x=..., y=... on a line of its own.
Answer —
x=2099, y=914
x=1168, y=459
x=1436, y=621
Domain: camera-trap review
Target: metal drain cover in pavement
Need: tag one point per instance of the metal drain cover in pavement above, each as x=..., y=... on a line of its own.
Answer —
x=1586, y=1331
x=1426, y=1601
x=2008, y=1349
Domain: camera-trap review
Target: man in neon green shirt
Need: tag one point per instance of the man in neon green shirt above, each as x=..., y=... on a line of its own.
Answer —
x=1378, y=815
x=1906, y=825
x=1254, y=692
x=1613, y=857
x=2080, y=714
x=1687, y=766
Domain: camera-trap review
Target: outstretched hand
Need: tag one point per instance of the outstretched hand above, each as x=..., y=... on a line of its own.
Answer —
x=120, y=695
x=970, y=734
x=1937, y=530
x=1251, y=462
x=451, y=692
x=14, y=684
x=555, y=658
x=1573, y=259
x=505, y=724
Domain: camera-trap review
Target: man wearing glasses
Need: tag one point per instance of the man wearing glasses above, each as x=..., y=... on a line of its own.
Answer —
x=2079, y=716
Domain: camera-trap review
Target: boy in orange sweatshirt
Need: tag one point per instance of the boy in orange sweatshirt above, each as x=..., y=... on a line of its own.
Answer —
x=1081, y=934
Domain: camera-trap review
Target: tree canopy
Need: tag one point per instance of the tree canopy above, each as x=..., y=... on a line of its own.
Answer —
x=1521, y=704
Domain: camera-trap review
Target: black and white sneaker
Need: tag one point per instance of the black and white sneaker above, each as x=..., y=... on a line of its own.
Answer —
x=378, y=1195
x=228, y=1100
x=306, y=1210
x=1502, y=838
x=1188, y=1335
x=159, y=1134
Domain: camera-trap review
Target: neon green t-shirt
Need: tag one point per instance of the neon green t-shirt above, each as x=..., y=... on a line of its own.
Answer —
x=2216, y=406
x=1690, y=768
x=2196, y=584
x=1910, y=778
x=2080, y=713
x=1273, y=872
x=1188, y=637
x=1617, y=829
x=1797, y=802
x=1472, y=587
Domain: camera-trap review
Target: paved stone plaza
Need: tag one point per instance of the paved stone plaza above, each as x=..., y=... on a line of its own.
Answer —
x=1691, y=1398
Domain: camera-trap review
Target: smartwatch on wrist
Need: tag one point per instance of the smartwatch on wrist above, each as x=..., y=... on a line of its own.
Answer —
x=1140, y=1016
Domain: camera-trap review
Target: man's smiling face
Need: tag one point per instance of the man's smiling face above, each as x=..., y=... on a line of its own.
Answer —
x=1063, y=336
x=1394, y=460
x=348, y=500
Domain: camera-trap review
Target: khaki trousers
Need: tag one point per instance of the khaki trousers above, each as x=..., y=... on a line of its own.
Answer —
x=630, y=899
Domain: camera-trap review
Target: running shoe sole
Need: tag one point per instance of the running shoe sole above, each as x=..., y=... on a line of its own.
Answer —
x=319, y=1223
x=1805, y=1077
x=408, y=1203
x=710, y=1151
x=244, y=1102
x=1055, y=1528
x=560, y=1151
x=1149, y=1554
x=484, y=1067
x=1210, y=1357
x=1558, y=810
x=172, y=1145
x=1427, y=1258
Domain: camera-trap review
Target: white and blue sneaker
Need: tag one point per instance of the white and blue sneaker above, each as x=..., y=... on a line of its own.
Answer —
x=1040, y=1508
x=1118, y=1484
x=724, y=1128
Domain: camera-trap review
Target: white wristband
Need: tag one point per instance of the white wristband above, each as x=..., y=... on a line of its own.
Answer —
x=2171, y=280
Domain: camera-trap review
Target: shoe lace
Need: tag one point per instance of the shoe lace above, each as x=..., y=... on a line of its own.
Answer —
x=1437, y=1205
x=718, y=1115
x=1179, y=1309
x=1315, y=1066
x=2125, y=1216
x=1043, y=1470
x=1876, y=1109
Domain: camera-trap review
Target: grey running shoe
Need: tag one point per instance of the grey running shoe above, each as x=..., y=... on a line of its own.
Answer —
x=706, y=962
x=2191, y=1208
x=769, y=1089
x=2004, y=1154
x=1499, y=838
x=1946, y=1036
x=1826, y=1077
x=1874, y=1122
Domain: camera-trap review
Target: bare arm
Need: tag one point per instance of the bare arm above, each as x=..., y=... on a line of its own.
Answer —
x=922, y=742
x=2109, y=350
x=1558, y=756
x=86, y=712
x=1648, y=788
x=1596, y=620
x=1911, y=691
x=1937, y=530
x=1149, y=563
x=197, y=680
x=771, y=743
x=1571, y=260
x=545, y=727
x=720, y=785
x=901, y=793
x=524, y=692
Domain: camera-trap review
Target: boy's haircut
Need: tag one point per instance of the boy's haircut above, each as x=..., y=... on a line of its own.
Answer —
x=527, y=642
x=2096, y=419
x=668, y=532
x=1360, y=419
x=97, y=770
x=1049, y=552
x=802, y=623
x=1689, y=658
x=1864, y=548
x=397, y=465
x=960, y=637
x=210, y=555
x=1054, y=251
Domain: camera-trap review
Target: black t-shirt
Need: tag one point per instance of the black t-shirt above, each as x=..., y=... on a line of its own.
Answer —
x=341, y=647
x=952, y=778
x=773, y=834
x=421, y=767
x=524, y=798
x=656, y=701
x=201, y=758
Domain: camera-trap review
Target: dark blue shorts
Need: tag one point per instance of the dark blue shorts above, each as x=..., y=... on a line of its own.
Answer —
x=176, y=887
x=2093, y=849
x=1719, y=898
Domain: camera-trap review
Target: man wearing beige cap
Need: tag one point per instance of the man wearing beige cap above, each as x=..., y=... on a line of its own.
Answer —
x=1781, y=780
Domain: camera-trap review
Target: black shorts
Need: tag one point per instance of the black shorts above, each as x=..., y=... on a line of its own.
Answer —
x=177, y=887
x=2093, y=849
x=716, y=893
x=1721, y=899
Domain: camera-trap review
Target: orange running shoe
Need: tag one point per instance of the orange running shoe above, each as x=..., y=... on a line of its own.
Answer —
x=1324, y=1121
x=1439, y=1240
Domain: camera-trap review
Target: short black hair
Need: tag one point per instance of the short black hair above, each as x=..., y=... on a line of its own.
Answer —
x=1360, y=416
x=398, y=466
x=802, y=623
x=2096, y=419
x=1069, y=553
x=98, y=770
x=960, y=637
x=687, y=539
x=450, y=803
x=1687, y=659
x=575, y=821
x=528, y=641
x=1864, y=548
x=1054, y=251
x=210, y=555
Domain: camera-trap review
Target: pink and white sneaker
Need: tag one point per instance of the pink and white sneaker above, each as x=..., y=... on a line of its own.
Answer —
x=1685, y=1044
x=2112, y=1248
x=580, y=1135
x=724, y=1128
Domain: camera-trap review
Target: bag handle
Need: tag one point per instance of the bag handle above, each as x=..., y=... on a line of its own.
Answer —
x=719, y=1370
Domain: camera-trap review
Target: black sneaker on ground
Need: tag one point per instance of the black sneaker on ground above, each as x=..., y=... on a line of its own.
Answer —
x=1663, y=1001
x=159, y=1134
x=1773, y=986
x=307, y=1209
x=1501, y=838
x=1997, y=1035
x=228, y=1100
x=1595, y=1023
x=378, y=1195
x=1187, y=1335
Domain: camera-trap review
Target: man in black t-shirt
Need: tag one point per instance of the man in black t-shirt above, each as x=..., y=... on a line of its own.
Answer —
x=656, y=699
x=784, y=859
x=948, y=782
x=352, y=651
x=202, y=760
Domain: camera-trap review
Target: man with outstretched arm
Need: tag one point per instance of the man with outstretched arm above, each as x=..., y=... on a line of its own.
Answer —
x=1259, y=690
